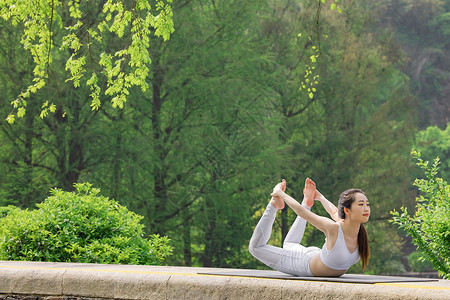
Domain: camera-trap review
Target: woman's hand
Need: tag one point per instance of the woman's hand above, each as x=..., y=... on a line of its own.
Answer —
x=279, y=189
x=318, y=195
x=276, y=200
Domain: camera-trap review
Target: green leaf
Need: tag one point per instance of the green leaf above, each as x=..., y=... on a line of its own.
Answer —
x=21, y=112
x=10, y=119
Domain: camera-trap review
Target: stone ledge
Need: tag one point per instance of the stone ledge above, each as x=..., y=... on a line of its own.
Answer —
x=52, y=281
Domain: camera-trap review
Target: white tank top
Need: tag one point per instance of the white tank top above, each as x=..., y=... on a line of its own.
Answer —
x=339, y=258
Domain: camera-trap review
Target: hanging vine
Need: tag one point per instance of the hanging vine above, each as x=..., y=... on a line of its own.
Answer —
x=311, y=78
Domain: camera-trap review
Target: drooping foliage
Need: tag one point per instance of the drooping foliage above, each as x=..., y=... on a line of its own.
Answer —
x=70, y=32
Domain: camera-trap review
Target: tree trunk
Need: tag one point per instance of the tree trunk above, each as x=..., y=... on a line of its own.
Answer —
x=187, y=253
x=159, y=173
x=210, y=239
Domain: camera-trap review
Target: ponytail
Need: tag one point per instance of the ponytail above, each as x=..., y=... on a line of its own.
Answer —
x=345, y=201
x=363, y=246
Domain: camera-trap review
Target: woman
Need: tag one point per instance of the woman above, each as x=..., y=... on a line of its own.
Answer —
x=346, y=238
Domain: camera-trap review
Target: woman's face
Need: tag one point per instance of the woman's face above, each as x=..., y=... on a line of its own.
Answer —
x=360, y=209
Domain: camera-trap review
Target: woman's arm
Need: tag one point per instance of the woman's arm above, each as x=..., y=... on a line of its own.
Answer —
x=331, y=209
x=321, y=223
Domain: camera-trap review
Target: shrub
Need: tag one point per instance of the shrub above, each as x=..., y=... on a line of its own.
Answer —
x=6, y=210
x=417, y=264
x=79, y=226
x=429, y=227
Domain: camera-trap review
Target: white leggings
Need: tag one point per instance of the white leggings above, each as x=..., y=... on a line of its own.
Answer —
x=293, y=258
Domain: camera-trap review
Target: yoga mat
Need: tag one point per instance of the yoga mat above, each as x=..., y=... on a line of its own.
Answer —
x=350, y=278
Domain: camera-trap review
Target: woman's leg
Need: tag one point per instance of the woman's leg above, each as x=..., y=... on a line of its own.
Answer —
x=295, y=234
x=258, y=247
x=267, y=254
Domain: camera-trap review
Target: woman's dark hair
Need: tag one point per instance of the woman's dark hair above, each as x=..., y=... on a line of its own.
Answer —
x=345, y=201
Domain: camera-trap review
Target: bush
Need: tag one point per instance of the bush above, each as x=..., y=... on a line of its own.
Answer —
x=417, y=264
x=429, y=227
x=6, y=210
x=79, y=226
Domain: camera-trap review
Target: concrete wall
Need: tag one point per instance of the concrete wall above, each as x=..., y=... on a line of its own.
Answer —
x=57, y=281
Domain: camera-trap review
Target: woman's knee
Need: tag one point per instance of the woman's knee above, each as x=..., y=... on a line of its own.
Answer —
x=259, y=252
x=288, y=245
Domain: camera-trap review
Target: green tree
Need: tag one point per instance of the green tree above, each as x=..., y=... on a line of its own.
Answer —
x=421, y=28
x=190, y=150
x=79, y=226
x=429, y=227
x=434, y=142
x=55, y=152
x=19, y=184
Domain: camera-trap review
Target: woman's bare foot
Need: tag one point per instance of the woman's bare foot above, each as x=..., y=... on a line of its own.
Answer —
x=309, y=192
x=276, y=201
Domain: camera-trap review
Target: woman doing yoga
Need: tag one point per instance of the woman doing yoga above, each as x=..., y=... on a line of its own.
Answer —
x=346, y=238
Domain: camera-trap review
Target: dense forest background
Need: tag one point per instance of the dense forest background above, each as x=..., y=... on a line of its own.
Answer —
x=226, y=117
